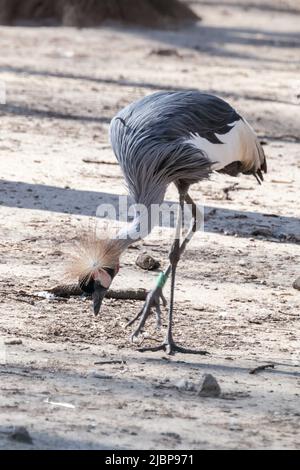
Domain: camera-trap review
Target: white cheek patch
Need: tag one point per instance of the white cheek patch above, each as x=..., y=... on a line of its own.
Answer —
x=103, y=277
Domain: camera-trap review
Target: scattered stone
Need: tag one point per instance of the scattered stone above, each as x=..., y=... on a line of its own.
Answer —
x=263, y=232
x=296, y=283
x=232, y=396
x=165, y=52
x=252, y=276
x=172, y=435
x=20, y=434
x=147, y=262
x=209, y=387
x=14, y=341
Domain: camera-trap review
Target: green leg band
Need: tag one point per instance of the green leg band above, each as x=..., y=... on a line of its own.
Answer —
x=161, y=280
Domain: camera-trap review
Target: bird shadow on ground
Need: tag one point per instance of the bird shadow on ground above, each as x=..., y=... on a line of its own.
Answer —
x=22, y=110
x=87, y=203
x=215, y=41
x=11, y=108
x=131, y=382
x=27, y=71
x=214, y=368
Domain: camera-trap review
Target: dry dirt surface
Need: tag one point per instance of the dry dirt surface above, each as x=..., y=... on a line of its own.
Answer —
x=76, y=381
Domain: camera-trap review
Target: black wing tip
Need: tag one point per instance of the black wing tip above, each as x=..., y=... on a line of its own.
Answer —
x=258, y=176
x=264, y=166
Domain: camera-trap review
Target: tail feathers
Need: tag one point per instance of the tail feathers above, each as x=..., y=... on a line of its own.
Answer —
x=262, y=157
x=250, y=157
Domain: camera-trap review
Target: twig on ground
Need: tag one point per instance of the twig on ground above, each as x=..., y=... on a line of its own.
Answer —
x=260, y=368
x=98, y=162
x=290, y=314
x=122, y=294
x=66, y=291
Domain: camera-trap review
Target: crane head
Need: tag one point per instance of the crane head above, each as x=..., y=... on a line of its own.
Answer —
x=94, y=263
x=97, y=284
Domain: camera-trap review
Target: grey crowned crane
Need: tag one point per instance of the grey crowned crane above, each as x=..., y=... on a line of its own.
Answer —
x=167, y=137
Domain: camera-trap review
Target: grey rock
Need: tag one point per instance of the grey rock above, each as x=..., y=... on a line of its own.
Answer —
x=20, y=434
x=14, y=341
x=147, y=262
x=263, y=232
x=296, y=283
x=209, y=387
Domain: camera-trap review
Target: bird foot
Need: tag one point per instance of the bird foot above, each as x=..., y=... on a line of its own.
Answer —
x=152, y=302
x=170, y=348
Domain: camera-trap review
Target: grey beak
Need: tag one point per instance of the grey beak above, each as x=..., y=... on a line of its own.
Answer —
x=98, y=296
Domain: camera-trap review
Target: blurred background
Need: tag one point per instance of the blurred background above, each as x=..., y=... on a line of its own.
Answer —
x=113, y=51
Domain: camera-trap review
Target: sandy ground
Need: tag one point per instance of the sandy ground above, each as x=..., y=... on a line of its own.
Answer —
x=234, y=297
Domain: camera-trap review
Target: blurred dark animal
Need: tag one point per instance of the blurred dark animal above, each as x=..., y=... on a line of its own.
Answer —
x=85, y=13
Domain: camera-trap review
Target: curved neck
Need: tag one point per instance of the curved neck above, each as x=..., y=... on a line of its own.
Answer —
x=139, y=228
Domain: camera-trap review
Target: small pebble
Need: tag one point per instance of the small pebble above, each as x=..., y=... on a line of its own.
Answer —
x=147, y=262
x=209, y=387
x=172, y=435
x=13, y=341
x=296, y=283
x=20, y=434
x=263, y=232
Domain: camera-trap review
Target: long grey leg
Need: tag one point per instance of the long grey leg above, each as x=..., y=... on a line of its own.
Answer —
x=153, y=298
x=156, y=294
x=174, y=259
x=177, y=249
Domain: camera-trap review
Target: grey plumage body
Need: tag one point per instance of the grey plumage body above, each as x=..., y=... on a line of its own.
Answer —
x=150, y=140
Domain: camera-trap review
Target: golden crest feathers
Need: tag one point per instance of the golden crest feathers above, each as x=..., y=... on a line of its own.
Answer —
x=91, y=253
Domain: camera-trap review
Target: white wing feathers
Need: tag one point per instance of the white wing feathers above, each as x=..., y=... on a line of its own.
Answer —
x=239, y=144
